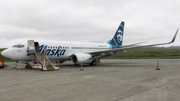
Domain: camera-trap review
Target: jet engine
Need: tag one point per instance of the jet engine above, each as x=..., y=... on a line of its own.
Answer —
x=81, y=57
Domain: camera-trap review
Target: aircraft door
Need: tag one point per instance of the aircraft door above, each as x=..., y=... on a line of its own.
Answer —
x=31, y=48
x=36, y=44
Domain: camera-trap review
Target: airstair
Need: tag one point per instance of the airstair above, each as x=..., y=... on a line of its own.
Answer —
x=45, y=62
x=33, y=49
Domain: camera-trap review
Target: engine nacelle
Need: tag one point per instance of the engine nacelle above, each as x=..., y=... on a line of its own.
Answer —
x=81, y=57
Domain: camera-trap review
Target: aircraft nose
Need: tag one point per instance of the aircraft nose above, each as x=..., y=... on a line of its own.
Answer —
x=5, y=53
x=2, y=53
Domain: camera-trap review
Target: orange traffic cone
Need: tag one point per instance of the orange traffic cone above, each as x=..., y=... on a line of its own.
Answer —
x=81, y=66
x=157, y=65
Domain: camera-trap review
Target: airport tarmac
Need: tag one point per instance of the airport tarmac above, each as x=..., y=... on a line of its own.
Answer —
x=110, y=80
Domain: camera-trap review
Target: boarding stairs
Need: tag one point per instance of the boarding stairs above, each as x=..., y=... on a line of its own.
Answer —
x=41, y=57
x=45, y=62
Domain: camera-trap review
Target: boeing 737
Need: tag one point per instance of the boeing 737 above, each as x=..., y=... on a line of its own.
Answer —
x=77, y=52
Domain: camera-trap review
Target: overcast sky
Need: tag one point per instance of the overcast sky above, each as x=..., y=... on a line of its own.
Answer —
x=155, y=21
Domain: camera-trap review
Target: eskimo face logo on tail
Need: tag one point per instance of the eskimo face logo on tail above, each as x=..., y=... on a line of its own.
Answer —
x=58, y=52
x=119, y=36
x=119, y=31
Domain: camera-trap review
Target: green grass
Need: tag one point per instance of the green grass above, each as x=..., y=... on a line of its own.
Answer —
x=154, y=53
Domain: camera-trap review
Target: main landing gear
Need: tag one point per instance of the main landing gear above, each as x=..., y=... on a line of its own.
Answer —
x=93, y=63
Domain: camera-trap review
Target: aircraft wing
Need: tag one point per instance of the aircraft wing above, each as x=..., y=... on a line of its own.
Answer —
x=133, y=44
x=121, y=49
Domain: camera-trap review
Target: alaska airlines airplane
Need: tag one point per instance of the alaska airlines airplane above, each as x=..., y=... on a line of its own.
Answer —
x=77, y=52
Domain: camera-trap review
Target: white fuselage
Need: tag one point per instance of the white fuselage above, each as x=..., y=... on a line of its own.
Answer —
x=60, y=50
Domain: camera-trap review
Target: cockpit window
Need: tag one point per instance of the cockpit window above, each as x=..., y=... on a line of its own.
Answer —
x=18, y=46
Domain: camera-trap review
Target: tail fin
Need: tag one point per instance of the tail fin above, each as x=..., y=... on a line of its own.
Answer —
x=118, y=37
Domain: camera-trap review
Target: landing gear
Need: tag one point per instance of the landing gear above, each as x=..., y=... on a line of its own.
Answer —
x=93, y=63
x=28, y=66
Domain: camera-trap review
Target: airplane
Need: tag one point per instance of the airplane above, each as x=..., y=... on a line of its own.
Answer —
x=77, y=52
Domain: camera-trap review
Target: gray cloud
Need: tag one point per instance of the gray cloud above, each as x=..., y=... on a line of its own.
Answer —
x=154, y=21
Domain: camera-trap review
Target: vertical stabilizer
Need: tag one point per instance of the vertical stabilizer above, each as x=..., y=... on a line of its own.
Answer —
x=118, y=37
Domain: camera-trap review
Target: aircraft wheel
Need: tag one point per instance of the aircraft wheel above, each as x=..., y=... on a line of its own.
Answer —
x=93, y=63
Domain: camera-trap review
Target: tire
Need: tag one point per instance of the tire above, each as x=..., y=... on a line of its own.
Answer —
x=93, y=63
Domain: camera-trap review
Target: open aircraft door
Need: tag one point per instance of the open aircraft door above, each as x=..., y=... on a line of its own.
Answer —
x=36, y=44
x=31, y=48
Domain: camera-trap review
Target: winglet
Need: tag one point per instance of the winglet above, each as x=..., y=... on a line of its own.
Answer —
x=174, y=37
